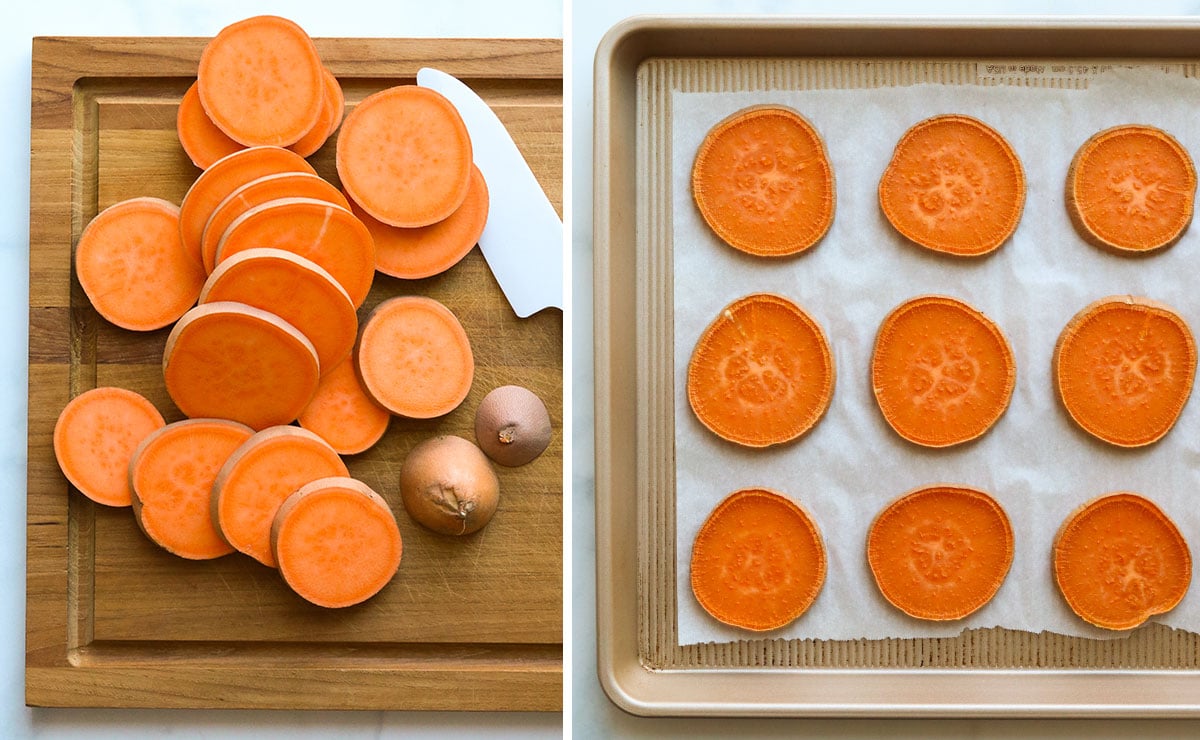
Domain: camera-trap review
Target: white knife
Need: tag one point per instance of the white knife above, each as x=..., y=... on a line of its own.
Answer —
x=522, y=241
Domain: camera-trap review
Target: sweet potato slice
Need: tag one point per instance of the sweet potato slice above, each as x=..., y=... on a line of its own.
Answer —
x=342, y=413
x=333, y=108
x=171, y=475
x=953, y=185
x=763, y=182
x=200, y=138
x=758, y=561
x=1123, y=368
x=225, y=176
x=429, y=250
x=228, y=360
x=940, y=553
x=404, y=156
x=259, y=476
x=761, y=373
x=414, y=358
x=1131, y=189
x=336, y=542
x=132, y=267
x=317, y=230
x=1119, y=560
x=255, y=193
x=296, y=290
x=95, y=436
x=261, y=82
x=942, y=371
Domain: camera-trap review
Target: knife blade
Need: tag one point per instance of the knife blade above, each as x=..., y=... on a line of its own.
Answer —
x=523, y=239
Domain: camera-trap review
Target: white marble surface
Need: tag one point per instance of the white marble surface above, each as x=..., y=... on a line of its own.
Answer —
x=444, y=18
x=592, y=715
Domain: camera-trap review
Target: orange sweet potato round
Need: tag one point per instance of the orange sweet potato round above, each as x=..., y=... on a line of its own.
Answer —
x=954, y=185
x=763, y=182
x=1119, y=560
x=942, y=371
x=940, y=552
x=1131, y=189
x=758, y=561
x=761, y=373
x=1123, y=368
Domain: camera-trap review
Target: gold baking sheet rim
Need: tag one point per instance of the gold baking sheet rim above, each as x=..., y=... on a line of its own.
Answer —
x=1086, y=675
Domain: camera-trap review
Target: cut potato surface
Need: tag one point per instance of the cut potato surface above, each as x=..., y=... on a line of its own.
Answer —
x=342, y=413
x=1131, y=189
x=1123, y=368
x=942, y=371
x=256, y=193
x=318, y=230
x=1119, y=560
x=260, y=81
x=131, y=264
x=414, y=358
x=953, y=185
x=422, y=252
x=763, y=182
x=941, y=552
x=758, y=561
x=95, y=436
x=405, y=156
x=296, y=290
x=172, y=474
x=336, y=542
x=200, y=138
x=259, y=476
x=225, y=176
x=761, y=373
x=333, y=108
x=227, y=360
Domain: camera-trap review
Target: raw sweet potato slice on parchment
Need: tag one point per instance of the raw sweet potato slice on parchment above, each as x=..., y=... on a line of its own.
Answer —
x=1119, y=560
x=763, y=182
x=942, y=371
x=1123, y=368
x=758, y=561
x=761, y=373
x=1131, y=189
x=953, y=185
x=940, y=552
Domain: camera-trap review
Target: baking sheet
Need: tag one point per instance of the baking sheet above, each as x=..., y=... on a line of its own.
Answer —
x=1034, y=461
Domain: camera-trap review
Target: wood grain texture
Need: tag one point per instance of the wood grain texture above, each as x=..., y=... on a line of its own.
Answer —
x=114, y=621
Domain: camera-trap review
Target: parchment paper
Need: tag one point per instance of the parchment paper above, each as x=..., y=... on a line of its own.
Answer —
x=1035, y=462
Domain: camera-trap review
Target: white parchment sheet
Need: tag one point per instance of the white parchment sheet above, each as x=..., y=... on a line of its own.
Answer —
x=1034, y=461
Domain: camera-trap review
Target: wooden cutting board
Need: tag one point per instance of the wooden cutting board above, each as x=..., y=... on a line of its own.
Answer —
x=111, y=619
